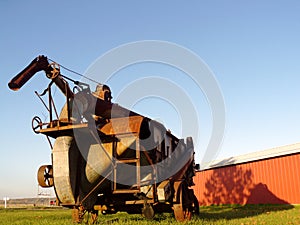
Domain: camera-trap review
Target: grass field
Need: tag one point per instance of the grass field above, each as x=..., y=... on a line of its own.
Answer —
x=240, y=215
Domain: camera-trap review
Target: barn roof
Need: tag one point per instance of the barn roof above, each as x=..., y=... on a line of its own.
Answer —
x=254, y=156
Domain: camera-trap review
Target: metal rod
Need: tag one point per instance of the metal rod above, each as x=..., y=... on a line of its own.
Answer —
x=49, y=142
x=54, y=108
x=114, y=150
x=50, y=104
x=68, y=102
x=37, y=94
x=138, y=164
x=96, y=187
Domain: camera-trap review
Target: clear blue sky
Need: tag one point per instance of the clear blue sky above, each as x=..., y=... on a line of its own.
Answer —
x=252, y=47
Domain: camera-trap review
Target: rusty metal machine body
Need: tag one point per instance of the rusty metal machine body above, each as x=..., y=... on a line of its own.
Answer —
x=108, y=158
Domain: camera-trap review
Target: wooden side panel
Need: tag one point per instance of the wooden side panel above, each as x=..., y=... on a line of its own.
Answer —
x=268, y=181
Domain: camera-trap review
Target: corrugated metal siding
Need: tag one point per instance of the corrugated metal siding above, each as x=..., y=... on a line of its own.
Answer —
x=269, y=181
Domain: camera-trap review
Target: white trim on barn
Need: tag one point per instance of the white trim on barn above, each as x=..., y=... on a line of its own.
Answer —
x=250, y=157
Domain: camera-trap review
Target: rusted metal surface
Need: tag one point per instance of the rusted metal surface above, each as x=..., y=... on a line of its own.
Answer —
x=45, y=176
x=124, y=125
x=108, y=157
x=82, y=216
x=38, y=64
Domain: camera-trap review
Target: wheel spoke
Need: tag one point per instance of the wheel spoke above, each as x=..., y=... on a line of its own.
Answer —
x=45, y=177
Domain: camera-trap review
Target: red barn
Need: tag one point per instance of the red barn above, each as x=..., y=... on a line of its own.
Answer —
x=267, y=177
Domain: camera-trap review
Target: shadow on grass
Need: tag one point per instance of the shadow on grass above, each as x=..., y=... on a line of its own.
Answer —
x=239, y=211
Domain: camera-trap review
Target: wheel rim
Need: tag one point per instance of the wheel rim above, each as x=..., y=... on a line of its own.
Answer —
x=45, y=176
x=183, y=209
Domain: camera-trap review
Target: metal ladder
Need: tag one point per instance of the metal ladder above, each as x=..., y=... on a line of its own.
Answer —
x=137, y=163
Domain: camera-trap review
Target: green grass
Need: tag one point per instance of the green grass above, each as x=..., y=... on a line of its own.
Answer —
x=228, y=214
x=35, y=216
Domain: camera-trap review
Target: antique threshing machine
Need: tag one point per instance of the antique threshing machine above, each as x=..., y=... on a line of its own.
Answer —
x=108, y=158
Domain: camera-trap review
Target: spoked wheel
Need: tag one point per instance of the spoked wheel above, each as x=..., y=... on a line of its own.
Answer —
x=184, y=207
x=82, y=216
x=45, y=176
x=36, y=124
